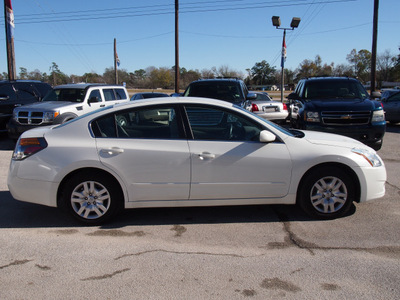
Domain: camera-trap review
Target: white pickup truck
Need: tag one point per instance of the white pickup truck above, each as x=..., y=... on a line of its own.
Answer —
x=63, y=103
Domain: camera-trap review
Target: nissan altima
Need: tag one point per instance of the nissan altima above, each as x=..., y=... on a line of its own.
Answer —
x=189, y=152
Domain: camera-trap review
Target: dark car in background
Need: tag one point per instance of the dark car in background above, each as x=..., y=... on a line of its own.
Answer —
x=391, y=106
x=17, y=93
x=147, y=95
x=228, y=89
x=338, y=105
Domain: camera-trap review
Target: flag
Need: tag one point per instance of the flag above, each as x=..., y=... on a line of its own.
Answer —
x=117, y=59
x=283, y=52
x=10, y=19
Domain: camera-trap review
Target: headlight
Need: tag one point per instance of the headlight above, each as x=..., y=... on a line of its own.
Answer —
x=372, y=158
x=312, y=116
x=49, y=116
x=378, y=116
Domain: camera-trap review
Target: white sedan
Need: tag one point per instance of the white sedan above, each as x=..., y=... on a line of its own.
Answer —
x=189, y=152
x=266, y=108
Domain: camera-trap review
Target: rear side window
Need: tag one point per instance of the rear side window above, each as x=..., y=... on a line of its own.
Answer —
x=109, y=94
x=120, y=94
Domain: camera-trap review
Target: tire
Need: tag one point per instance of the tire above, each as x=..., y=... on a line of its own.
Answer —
x=64, y=118
x=92, y=198
x=326, y=193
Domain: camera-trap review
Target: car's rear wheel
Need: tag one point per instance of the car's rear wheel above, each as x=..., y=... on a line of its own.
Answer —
x=92, y=198
x=326, y=193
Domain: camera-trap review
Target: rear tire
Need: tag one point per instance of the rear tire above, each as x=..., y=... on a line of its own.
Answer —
x=326, y=193
x=92, y=198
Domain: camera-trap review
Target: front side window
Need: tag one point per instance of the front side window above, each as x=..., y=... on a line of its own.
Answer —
x=95, y=96
x=144, y=123
x=209, y=123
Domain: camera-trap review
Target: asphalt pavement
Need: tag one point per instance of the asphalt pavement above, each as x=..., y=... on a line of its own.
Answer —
x=251, y=252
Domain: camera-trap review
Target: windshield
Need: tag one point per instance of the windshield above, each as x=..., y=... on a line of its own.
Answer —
x=70, y=95
x=334, y=89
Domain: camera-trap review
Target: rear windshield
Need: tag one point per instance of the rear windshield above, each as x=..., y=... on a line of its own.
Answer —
x=222, y=90
x=71, y=95
x=334, y=89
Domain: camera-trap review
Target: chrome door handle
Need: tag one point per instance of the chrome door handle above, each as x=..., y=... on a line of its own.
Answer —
x=111, y=151
x=206, y=155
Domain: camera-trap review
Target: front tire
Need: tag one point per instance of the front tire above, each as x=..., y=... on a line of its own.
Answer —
x=92, y=198
x=326, y=193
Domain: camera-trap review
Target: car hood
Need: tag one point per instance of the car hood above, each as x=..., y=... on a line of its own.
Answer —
x=330, y=139
x=340, y=104
x=48, y=105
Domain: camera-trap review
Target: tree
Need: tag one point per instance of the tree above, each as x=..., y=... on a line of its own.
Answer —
x=262, y=73
x=57, y=77
x=23, y=73
x=161, y=78
x=385, y=63
x=361, y=62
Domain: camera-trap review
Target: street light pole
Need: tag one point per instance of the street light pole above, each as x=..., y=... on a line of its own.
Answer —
x=276, y=21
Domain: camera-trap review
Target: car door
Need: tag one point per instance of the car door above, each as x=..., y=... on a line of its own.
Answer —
x=392, y=107
x=229, y=162
x=147, y=151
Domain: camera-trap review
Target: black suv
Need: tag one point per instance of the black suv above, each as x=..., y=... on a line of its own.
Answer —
x=227, y=89
x=17, y=93
x=338, y=105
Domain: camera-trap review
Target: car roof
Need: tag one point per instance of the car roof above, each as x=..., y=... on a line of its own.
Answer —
x=217, y=79
x=85, y=85
x=328, y=78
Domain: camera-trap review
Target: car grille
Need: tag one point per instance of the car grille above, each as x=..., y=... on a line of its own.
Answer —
x=30, y=117
x=345, y=118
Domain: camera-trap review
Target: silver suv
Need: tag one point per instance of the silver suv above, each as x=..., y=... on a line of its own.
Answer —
x=63, y=103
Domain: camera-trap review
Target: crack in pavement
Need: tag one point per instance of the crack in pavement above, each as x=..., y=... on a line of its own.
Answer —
x=105, y=276
x=15, y=263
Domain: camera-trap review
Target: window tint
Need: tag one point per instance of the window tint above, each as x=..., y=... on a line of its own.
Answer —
x=147, y=123
x=7, y=90
x=120, y=94
x=108, y=94
x=334, y=89
x=95, y=94
x=217, y=124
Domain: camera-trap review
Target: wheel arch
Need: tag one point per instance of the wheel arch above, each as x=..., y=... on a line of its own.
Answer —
x=65, y=116
x=89, y=170
x=349, y=171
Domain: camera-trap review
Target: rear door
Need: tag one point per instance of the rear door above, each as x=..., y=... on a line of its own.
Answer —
x=148, y=151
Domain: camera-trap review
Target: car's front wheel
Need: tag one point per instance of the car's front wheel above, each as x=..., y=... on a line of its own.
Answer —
x=92, y=198
x=326, y=193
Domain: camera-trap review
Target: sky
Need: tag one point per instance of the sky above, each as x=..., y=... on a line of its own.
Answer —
x=78, y=35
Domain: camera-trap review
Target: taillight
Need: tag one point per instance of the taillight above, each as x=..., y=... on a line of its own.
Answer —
x=254, y=107
x=284, y=106
x=27, y=147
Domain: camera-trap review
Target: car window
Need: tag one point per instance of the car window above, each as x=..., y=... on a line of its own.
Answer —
x=61, y=94
x=95, y=94
x=209, y=123
x=334, y=89
x=120, y=94
x=146, y=123
x=223, y=90
x=7, y=91
x=109, y=94
x=393, y=98
x=25, y=91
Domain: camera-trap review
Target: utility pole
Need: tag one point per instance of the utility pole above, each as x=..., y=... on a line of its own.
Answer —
x=115, y=61
x=374, y=43
x=176, y=46
x=9, y=24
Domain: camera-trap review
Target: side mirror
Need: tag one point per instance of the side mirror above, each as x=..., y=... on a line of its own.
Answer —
x=293, y=96
x=267, y=136
x=251, y=96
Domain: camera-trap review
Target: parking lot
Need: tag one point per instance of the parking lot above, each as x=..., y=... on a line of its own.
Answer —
x=252, y=252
